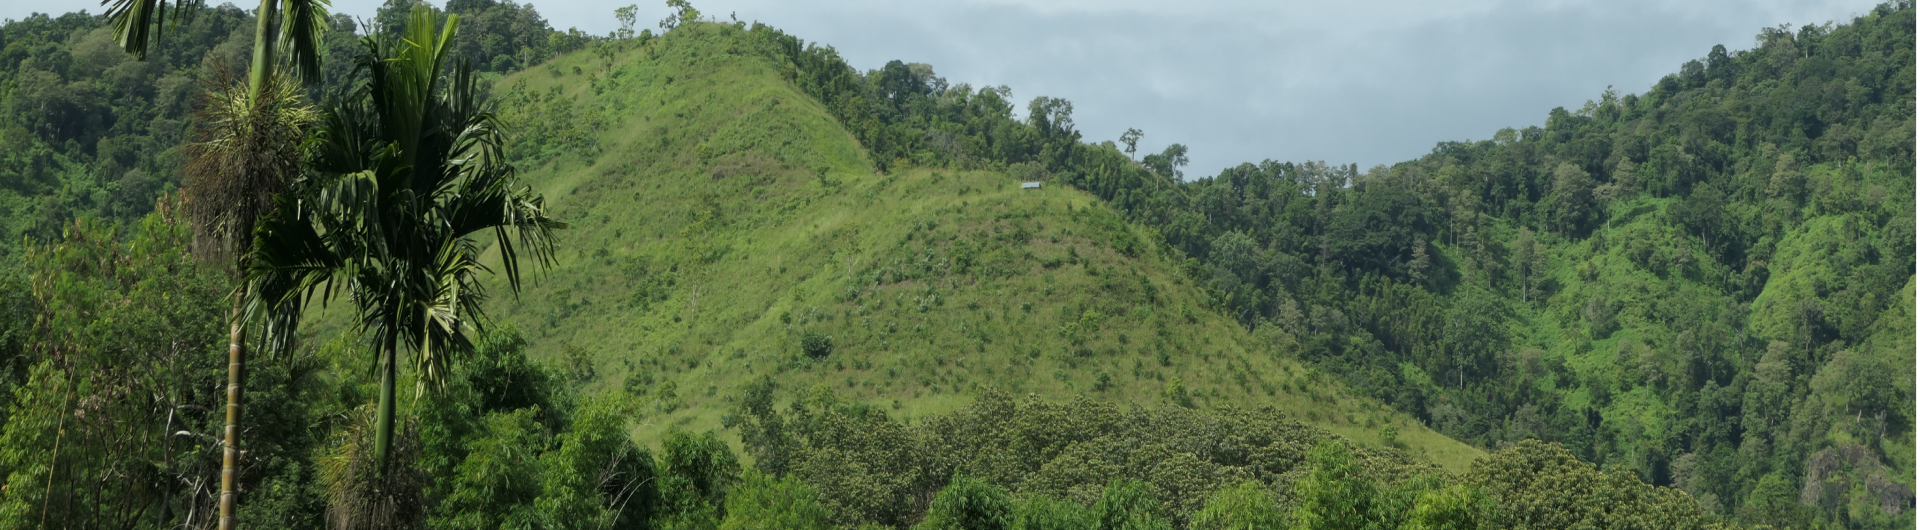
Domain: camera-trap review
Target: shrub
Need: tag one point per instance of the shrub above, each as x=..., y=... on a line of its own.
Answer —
x=816, y=344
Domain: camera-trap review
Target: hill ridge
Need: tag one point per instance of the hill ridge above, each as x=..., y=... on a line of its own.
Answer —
x=927, y=283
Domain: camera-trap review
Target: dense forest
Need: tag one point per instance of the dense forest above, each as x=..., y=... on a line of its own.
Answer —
x=1690, y=307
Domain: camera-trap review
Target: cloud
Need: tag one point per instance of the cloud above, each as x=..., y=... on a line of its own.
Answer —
x=1345, y=82
x=1367, y=83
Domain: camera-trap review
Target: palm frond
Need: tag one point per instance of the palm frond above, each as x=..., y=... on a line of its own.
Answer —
x=138, y=23
x=301, y=33
x=292, y=263
x=404, y=174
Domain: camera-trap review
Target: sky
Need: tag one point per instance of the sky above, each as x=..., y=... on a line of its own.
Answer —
x=1242, y=81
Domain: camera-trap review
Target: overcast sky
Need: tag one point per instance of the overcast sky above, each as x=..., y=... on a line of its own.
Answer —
x=1345, y=82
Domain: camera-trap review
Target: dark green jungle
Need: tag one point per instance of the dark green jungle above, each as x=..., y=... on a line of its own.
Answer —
x=455, y=248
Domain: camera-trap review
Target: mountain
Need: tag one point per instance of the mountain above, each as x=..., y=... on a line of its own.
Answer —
x=1689, y=307
x=726, y=226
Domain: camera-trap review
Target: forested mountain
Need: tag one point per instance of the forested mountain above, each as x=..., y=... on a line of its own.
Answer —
x=724, y=228
x=795, y=294
x=1709, y=283
x=89, y=131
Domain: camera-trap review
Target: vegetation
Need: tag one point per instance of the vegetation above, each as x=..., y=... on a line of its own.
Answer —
x=404, y=173
x=794, y=294
x=1673, y=283
x=761, y=243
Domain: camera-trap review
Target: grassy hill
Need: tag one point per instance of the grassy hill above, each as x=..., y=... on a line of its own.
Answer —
x=726, y=227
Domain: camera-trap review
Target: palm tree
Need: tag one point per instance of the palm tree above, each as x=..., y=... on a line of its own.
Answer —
x=245, y=154
x=402, y=175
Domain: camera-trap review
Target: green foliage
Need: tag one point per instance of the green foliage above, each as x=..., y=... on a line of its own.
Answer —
x=1337, y=495
x=86, y=130
x=1128, y=504
x=716, y=248
x=1131, y=465
x=696, y=473
x=1456, y=507
x=1040, y=512
x=398, y=224
x=1611, y=280
x=1246, y=505
x=762, y=502
x=816, y=344
x=597, y=477
x=497, y=482
x=1707, y=286
x=970, y=504
x=1540, y=485
x=114, y=394
x=1614, y=280
x=521, y=451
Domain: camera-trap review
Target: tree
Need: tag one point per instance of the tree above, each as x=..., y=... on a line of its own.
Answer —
x=1541, y=485
x=405, y=173
x=696, y=474
x=1571, y=199
x=1052, y=117
x=1128, y=504
x=1529, y=257
x=116, y=368
x=245, y=158
x=683, y=13
x=1456, y=507
x=1046, y=513
x=1168, y=162
x=763, y=502
x=1131, y=139
x=1336, y=495
x=1625, y=185
x=1244, y=506
x=1700, y=214
x=970, y=504
x=626, y=16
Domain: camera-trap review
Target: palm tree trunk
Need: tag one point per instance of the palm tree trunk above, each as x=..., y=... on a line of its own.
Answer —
x=383, y=431
x=236, y=372
x=262, y=49
x=263, y=37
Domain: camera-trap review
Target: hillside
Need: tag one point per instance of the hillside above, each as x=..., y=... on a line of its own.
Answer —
x=803, y=294
x=725, y=226
x=1705, y=284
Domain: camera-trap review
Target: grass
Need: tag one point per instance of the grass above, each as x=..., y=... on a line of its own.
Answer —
x=721, y=218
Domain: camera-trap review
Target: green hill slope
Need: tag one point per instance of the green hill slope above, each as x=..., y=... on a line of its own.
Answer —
x=726, y=227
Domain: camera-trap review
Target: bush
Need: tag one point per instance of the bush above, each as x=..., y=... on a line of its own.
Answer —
x=816, y=344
